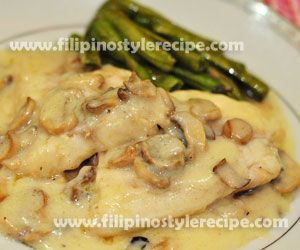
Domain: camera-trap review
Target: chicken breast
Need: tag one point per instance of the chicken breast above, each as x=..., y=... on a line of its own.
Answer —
x=158, y=155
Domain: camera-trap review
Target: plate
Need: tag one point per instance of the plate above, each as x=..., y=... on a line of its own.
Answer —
x=271, y=50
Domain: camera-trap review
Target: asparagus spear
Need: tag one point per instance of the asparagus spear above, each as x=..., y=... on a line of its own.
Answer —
x=196, y=61
x=158, y=23
x=102, y=30
x=199, y=81
x=227, y=71
x=90, y=59
x=193, y=61
x=252, y=86
x=167, y=81
x=159, y=58
x=231, y=88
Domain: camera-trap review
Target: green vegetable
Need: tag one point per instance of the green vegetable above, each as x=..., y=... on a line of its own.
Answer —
x=192, y=60
x=117, y=20
x=90, y=59
x=103, y=30
x=199, y=81
x=159, y=58
x=252, y=87
x=166, y=81
x=157, y=23
x=230, y=87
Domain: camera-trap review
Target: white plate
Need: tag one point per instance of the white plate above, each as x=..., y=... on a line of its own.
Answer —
x=272, y=49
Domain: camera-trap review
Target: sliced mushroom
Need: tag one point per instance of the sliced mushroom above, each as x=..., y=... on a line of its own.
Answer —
x=30, y=236
x=41, y=198
x=167, y=99
x=8, y=79
x=92, y=161
x=193, y=131
x=123, y=94
x=3, y=190
x=163, y=151
x=247, y=192
x=289, y=178
x=3, y=195
x=175, y=130
x=23, y=138
x=238, y=130
x=162, y=245
x=94, y=80
x=6, y=146
x=125, y=159
x=138, y=243
x=140, y=88
x=229, y=176
x=99, y=105
x=258, y=175
x=209, y=132
x=143, y=171
x=58, y=113
x=204, y=109
x=72, y=173
x=24, y=115
x=26, y=234
x=76, y=189
x=27, y=221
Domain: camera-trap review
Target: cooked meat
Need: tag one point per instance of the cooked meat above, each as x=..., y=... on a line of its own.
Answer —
x=152, y=154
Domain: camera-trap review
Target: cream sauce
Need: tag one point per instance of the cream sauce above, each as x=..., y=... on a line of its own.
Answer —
x=34, y=75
